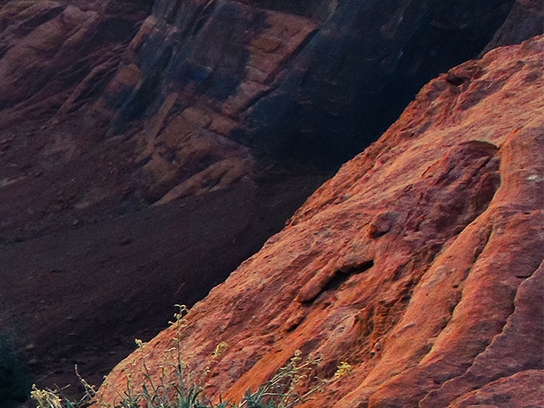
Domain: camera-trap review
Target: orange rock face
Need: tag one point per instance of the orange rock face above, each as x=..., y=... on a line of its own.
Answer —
x=420, y=263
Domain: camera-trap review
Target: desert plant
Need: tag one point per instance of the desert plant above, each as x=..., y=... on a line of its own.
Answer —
x=186, y=389
x=48, y=398
x=280, y=391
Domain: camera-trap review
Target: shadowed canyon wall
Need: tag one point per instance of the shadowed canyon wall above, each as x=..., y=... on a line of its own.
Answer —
x=212, y=85
x=318, y=84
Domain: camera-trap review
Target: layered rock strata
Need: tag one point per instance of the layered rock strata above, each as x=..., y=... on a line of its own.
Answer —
x=58, y=55
x=420, y=263
x=212, y=83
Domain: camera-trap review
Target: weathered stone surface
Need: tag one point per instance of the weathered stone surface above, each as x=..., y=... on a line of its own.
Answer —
x=314, y=81
x=317, y=81
x=57, y=54
x=526, y=19
x=523, y=389
x=510, y=352
x=419, y=263
x=198, y=95
x=71, y=208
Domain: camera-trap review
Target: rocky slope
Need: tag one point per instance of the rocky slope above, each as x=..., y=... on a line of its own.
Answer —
x=127, y=125
x=526, y=19
x=420, y=263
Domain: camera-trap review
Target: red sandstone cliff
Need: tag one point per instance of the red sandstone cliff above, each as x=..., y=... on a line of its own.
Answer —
x=420, y=263
x=108, y=106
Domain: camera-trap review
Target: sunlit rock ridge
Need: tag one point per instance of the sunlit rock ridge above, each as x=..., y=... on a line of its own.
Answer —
x=420, y=263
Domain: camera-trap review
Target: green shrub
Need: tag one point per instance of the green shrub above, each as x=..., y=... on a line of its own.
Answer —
x=15, y=380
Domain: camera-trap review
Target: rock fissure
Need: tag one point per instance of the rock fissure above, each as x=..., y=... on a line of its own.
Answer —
x=517, y=341
x=293, y=54
x=252, y=102
x=468, y=369
x=462, y=284
x=337, y=279
x=459, y=286
x=34, y=22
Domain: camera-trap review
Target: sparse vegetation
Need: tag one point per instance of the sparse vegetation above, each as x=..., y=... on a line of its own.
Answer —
x=186, y=390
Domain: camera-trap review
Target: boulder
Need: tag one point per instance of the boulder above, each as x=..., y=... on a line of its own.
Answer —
x=419, y=263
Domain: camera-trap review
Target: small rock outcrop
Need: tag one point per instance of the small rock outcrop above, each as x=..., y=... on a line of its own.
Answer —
x=57, y=55
x=420, y=263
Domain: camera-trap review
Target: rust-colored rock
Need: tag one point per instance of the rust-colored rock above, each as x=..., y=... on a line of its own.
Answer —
x=108, y=106
x=420, y=263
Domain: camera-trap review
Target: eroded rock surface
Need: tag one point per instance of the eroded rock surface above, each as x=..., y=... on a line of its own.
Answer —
x=48, y=48
x=194, y=107
x=315, y=81
x=211, y=84
x=420, y=263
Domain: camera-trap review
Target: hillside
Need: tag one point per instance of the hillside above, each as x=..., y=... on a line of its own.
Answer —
x=419, y=263
x=147, y=148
